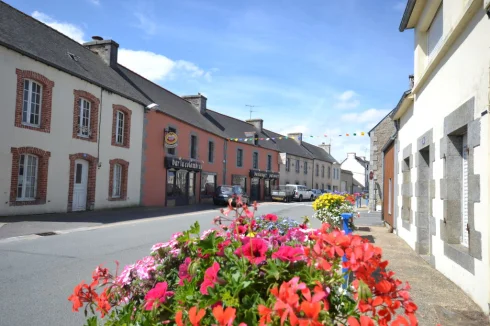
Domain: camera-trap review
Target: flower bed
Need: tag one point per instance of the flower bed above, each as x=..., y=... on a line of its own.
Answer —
x=251, y=271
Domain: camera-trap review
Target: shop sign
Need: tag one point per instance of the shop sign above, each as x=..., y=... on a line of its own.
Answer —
x=171, y=139
x=258, y=174
x=179, y=163
x=272, y=175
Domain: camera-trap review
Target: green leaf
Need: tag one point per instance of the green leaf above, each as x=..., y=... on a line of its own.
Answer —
x=195, y=228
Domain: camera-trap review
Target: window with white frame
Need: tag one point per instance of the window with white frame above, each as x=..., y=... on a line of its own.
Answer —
x=31, y=107
x=27, y=181
x=119, y=127
x=435, y=33
x=84, y=118
x=116, y=181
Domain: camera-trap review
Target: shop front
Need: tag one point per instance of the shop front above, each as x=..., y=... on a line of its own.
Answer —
x=262, y=180
x=182, y=176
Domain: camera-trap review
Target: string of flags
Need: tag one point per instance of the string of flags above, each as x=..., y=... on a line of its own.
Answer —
x=362, y=133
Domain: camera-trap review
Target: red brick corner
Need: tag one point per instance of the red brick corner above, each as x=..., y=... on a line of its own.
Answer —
x=124, y=178
x=127, y=125
x=46, y=101
x=92, y=174
x=94, y=114
x=42, y=175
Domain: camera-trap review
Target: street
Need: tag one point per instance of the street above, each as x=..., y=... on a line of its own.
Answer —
x=39, y=274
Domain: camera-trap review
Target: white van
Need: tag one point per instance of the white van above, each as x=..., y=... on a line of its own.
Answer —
x=302, y=193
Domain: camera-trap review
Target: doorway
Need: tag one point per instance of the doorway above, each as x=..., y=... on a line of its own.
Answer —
x=388, y=185
x=80, y=186
x=255, y=189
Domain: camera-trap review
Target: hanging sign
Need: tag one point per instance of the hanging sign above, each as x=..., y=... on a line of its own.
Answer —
x=171, y=139
x=273, y=175
x=258, y=174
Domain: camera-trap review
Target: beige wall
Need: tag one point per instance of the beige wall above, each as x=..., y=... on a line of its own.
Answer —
x=292, y=176
x=59, y=141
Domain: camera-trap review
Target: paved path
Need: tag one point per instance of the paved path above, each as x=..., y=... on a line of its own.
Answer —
x=439, y=300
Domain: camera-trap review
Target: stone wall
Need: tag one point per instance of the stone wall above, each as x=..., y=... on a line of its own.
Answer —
x=379, y=136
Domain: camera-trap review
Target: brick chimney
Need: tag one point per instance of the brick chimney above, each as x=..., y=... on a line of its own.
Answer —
x=298, y=137
x=257, y=123
x=199, y=101
x=325, y=147
x=105, y=49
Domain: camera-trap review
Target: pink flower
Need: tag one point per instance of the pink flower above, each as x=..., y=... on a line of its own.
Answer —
x=254, y=250
x=184, y=271
x=270, y=217
x=291, y=254
x=221, y=248
x=157, y=295
x=210, y=278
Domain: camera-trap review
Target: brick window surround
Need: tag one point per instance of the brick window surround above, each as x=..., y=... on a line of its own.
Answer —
x=124, y=179
x=46, y=99
x=127, y=125
x=94, y=114
x=42, y=175
x=92, y=174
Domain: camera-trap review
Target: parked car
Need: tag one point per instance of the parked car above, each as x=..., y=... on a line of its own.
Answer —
x=283, y=193
x=224, y=193
x=316, y=193
x=301, y=193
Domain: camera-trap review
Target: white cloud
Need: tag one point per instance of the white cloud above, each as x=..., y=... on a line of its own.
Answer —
x=348, y=100
x=368, y=118
x=70, y=30
x=146, y=23
x=157, y=67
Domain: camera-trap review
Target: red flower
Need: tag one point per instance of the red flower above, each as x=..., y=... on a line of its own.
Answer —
x=101, y=273
x=196, y=316
x=254, y=250
x=224, y=317
x=157, y=295
x=265, y=315
x=178, y=318
x=365, y=321
x=270, y=217
x=103, y=304
x=83, y=293
x=184, y=271
x=287, y=253
x=210, y=278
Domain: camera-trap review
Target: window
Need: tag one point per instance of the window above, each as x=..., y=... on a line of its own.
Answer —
x=323, y=186
x=208, y=183
x=297, y=166
x=193, y=146
x=329, y=187
x=389, y=196
x=192, y=184
x=255, y=159
x=171, y=151
x=116, y=181
x=305, y=167
x=316, y=186
x=323, y=171
x=27, y=179
x=239, y=157
x=269, y=162
x=288, y=164
x=31, y=108
x=328, y=173
x=464, y=192
x=84, y=118
x=434, y=33
x=170, y=183
x=316, y=171
x=211, y=152
x=238, y=180
x=119, y=128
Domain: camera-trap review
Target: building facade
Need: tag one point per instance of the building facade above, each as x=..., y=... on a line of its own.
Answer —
x=442, y=146
x=360, y=171
x=379, y=136
x=68, y=142
x=346, y=181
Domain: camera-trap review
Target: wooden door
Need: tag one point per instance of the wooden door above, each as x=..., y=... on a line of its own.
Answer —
x=388, y=194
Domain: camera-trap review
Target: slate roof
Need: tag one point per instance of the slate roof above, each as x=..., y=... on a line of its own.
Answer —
x=170, y=103
x=289, y=145
x=28, y=36
x=319, y=153
x=234, y=128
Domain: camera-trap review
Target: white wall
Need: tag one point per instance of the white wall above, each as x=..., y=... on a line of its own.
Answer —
x=461, y=75
x=59, y=141
x=357, y=169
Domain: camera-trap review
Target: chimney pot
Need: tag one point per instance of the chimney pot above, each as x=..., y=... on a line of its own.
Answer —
x=97, y=38
x=199, y=101
x=325, y=147
x=105, y=49
x=298, y=137
x=257, y=123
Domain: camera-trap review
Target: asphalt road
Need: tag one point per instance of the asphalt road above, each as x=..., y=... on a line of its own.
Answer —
x=37, y=275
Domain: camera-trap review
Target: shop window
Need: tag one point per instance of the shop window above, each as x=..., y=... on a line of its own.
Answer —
x=239, y=180
x=208, y=183
x=192, y=184
x=170, y=182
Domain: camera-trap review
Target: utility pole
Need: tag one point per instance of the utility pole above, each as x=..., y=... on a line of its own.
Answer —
x=251, y=109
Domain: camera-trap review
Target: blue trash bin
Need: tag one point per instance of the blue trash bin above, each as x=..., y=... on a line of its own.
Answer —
x=345, y=226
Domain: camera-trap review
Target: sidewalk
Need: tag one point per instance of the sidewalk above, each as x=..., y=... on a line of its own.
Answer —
x=440, y=301
x=20, y=225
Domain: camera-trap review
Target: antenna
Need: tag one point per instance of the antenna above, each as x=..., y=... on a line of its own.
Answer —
x=251, y=107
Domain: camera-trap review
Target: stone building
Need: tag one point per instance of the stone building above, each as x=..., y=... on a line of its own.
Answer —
x=379, y=135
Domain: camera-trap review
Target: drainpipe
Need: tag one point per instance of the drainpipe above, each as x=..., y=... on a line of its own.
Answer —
x=100, y=122
x=225, y=161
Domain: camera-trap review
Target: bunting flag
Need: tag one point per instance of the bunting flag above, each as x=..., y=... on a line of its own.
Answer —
x=361, y=134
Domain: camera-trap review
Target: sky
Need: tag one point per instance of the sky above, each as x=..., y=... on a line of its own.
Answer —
x=320, y=67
